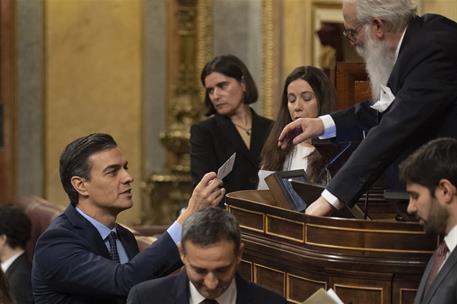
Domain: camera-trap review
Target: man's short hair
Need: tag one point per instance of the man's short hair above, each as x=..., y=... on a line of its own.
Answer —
x=432, y=162
x=74, y=159
x=15, y=224
x=209, y=226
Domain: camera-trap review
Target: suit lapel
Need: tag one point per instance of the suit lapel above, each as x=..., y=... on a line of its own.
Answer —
x=130, y=246
x=22, y=259
x=395, y=81
x=243, y=295
x=90, y=233
x=229, y=131
x=421, y=289
x=258, y=136
x=180, y=289
x=444, y=272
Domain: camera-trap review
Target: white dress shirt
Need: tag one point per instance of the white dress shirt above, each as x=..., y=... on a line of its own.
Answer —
x=295, y=160
x=174, y=231
x=227, y=297
x=451, y=242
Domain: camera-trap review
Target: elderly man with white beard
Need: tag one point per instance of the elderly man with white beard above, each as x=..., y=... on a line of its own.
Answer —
x=411, y=61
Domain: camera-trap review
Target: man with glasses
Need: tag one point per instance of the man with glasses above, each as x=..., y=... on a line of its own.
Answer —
x=412, y=64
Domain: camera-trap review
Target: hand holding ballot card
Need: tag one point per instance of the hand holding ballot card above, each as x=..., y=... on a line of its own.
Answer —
x=226, y=167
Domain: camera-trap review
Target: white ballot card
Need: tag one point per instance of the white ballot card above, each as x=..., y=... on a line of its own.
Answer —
x=323, y=297
x=226, y=167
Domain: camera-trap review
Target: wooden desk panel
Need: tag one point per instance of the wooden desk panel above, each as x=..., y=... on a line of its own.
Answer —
x=364, y=261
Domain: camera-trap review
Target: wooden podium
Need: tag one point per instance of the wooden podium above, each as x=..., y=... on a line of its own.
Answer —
x=366, y=262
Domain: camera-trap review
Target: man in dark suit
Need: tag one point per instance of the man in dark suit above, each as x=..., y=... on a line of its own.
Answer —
x=430, y=174
x=85, y=256
x=14, y=233
x=211, y=250
x=411, y=62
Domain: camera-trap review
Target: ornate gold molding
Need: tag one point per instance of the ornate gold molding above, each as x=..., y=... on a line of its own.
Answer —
x=170, y=189
x=270, y=61
x=205, y=35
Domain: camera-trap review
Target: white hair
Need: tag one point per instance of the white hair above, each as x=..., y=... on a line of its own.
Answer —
x=379, y=61
x=396, y=13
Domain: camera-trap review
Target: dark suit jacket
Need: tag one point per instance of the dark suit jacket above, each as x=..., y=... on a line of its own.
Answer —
x=214, y=140
x=18, y=277
x=444, y=288
x=424, y=82
x=71, y=263
x=174, y=289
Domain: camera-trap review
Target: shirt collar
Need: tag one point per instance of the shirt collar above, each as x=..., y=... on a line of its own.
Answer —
x=451, y=239
x=397, y=51
x=227, y=297
x=102, y=229
x=6, y=264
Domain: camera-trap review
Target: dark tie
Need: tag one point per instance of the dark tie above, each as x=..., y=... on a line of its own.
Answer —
x=438, y=259
x=113, y=248
x=208, y=301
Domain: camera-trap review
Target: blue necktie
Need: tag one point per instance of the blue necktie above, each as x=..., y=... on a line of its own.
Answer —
x=113, y=248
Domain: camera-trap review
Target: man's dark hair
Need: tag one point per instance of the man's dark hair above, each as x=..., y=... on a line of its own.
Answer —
x=15, y=224
x=209, y=226
x=432, y=162
x=74, y=159
x=230, y=66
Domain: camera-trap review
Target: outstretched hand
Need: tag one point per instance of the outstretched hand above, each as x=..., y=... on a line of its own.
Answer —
x=300, y=130
x=208, y=193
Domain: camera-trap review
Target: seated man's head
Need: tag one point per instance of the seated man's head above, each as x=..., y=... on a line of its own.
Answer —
x=211, y=250
x=15, y=229
x=94, y=174
x=430, y=175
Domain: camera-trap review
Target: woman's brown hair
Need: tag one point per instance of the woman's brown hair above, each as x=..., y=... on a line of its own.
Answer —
x=272, y=156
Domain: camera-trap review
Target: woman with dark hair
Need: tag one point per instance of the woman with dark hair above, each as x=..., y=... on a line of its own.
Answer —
x=233, y=126
x=307, y=93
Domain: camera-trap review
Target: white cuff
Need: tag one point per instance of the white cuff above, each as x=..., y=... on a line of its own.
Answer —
x=333, y=200
x=329, y=127
x=175, y=232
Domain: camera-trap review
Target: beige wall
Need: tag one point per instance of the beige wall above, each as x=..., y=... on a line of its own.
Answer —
x=447, y=8
x=296, y=40
x=93, y=73
x=93, y=81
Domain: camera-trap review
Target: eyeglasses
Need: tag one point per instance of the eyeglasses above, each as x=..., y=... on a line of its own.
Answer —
x=351, y=33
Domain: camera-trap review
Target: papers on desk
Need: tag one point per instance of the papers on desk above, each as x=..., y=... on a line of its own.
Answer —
x=262, y=175
x=324, y=297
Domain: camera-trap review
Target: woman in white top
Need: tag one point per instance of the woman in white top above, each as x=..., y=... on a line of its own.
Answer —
x=307, y=93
